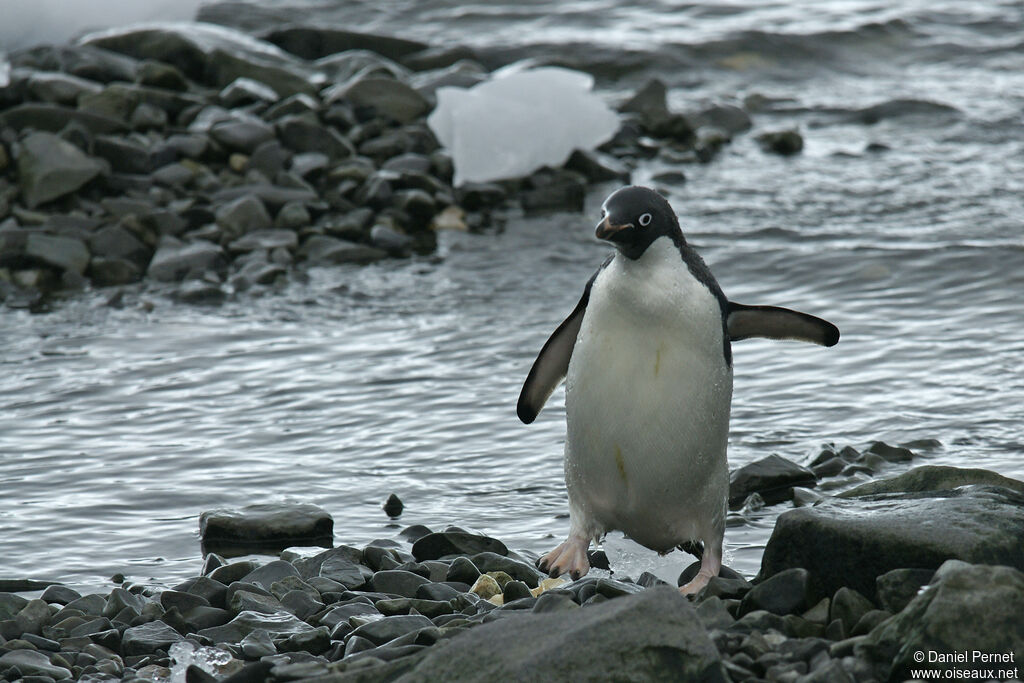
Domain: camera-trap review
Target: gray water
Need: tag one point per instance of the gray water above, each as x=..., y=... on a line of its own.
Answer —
x=119, y=425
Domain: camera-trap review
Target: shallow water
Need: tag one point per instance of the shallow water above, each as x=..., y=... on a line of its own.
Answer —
x=120, y=425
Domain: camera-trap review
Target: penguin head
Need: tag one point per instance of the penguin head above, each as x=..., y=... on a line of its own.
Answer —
x=633, y=217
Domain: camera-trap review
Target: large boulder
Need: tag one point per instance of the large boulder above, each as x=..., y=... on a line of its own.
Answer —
x=49, y=167
x=969, y=609
x=654, y=635
x=849, y=542
x=773, y=477
x=272, y=524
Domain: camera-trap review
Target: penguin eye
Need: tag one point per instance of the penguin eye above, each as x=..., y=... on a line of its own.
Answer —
x=644, y=220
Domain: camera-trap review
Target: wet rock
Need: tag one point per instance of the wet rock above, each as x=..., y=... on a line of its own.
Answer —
x=397, y=582
x=898, y=587
x=386, y=97
x=521, y=571
x=63, y=253
x=53, y=118
x=436, y=545
x=848, y=606
x=243, y=215
x=245, y=91
x=966, y=608
x=258, y=644
x=829, y=468
x=314, y=42
x=649, y=102
x=557, y=193
x=56, y=594
x=393, y=506
x=772, y=477
x=389, y=628
x=148, y=638
x=725, y=117
x=61, y=88
x=868, y=536
x=274, y=524
x=324, y=250
x=32, y=663
x=33, y=617
x=933, y=478
x=279, y=624
x=49, y=167
x=787, y=592
x=597, y=167
x=783, y=142
x=638, y=637
x=303, y=133
x=174, y=260
x=903, y=107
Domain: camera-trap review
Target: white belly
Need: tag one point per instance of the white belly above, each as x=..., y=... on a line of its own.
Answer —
x=647, y=399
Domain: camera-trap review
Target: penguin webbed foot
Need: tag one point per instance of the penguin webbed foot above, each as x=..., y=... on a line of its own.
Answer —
x=710, y=565
x=569, y=558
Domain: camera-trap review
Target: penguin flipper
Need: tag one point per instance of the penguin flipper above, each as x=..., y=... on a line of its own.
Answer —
x=552, y=362
x=773, y=322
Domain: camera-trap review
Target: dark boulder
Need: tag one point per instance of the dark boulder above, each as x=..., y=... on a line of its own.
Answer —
x=773, y=477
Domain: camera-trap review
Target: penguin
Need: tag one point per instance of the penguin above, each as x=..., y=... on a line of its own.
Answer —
x=647, y=359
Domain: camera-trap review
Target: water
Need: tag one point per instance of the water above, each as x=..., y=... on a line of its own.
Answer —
x=120, y=425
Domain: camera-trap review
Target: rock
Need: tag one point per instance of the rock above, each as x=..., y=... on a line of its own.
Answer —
x=898, y=587
x=242, y=133
x=323, y=250
x=243, y=215
x=57, y=594
x=108, y=272
x=249, y=601
x=386, y=97
x=279, y=624
x=397, y=582
x=869, y=536
x=173, y=260
x=53, y=118
x=49, y=167
x=270, y=573
x=273, y=524
x=967, y=608
x=436, y=545
x=725, y=117
x=786, y=592
x=32, y=663
x=848, y=606
x=486, y=586
x=314, y=42
x=773, y=477
x=649, y=102
x=160, y=75
x=561, y=193
x=829, y=468
x=933, y=478
x=304, y=133
x=384, y=630
x=654, y=635
x=257, y=644
x=521, y=571
x=902, y=107
x=61, y=88
x=33, y=617
x=783, y=142
x=64, y=253
x=148, y=638
x=393, y=506
x=463, y=571
x=596, y=167
x=245, y=91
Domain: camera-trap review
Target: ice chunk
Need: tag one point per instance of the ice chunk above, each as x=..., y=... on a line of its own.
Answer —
x=519, y=120
x=628, y=558
x=212, y=660
x=5, y=71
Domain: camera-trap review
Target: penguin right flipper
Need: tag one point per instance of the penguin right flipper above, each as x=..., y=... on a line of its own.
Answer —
x=773, y=322
x=552, y=362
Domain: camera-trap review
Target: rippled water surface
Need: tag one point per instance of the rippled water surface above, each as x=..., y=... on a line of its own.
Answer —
x=119, y=425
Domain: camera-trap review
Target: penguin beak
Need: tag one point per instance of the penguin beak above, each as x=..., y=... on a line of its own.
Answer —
x=608, y=231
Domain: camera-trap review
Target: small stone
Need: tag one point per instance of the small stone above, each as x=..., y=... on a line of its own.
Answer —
x=783, y=593
x=148, y=638
x=515, y=590
x=200, y=293
x=848, y=606
x=393, y=506
x=486, y=587
x=463, y=571
x=322, y=250
x=265, y=239
x=829, y=468
x=49, y=167
x=174, y=260
x=61, y=595
x=257, y=644
x=772, y=477
x=243, y=215
x=244, y=91
x=397, y=582
x=242, y=134
x=783, y=142
x=387, y=97
x=898, y=587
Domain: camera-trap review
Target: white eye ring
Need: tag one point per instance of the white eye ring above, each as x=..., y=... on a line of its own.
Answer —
x=644, y=220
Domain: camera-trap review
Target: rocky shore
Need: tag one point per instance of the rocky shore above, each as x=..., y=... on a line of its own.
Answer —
x=894, y=576
x=218, y=162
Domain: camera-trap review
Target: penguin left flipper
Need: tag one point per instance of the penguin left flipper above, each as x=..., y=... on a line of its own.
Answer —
x=774, y=322
x=552, y=362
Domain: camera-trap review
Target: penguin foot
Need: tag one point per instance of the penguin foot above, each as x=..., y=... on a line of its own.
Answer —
x=696, y=584
x=710, y=565
x=568, y=558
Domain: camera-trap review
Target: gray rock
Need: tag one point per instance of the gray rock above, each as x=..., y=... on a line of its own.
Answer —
x=108, y=272
x=53, y=118
x=243, y=215
x=280, y=624
x=248, y=601
x=303, y=133
x=782, y=142
x=848, y=606
x=933, y=478
x=649, y=102
x=173, y=260
x=786, y=592
x=245, y=91
x=726, y=117
x=397, y=582
x=292, y=216
x=383, y=630
x=265, y=239
x=773, y=477
x=258, y=644
x=56, y=594
x=270, y=195
x=270, y=573
x=323, y=250
x=33, y=663
x=387, y=97
x=655, y=635
x=128, y=155
x=462, y=570
x=868, y=536
x=61, y=88
x=967, y=608
x=64, y=253
x=148, y=638
x=314, y=42
x=49, y=167
x=148, y=117
x=267, y=523
x=309, y=164
x=896, y=588
x=520, y=571
x=438, y=544
x=597, y=168
x=242, y=134
x=33, y=617
x=301, y=604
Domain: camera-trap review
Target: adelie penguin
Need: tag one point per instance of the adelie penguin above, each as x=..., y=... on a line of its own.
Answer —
x=647, y=359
